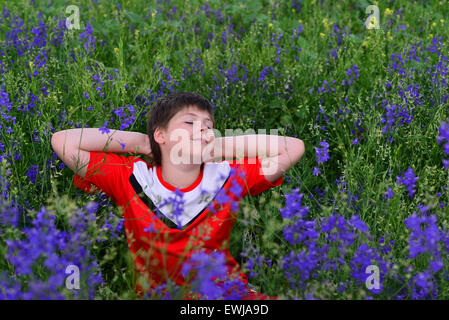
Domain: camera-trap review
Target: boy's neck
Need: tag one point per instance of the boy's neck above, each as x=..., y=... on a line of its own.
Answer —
x=180, y=175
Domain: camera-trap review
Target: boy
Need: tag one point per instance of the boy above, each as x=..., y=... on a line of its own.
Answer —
x=184, y=153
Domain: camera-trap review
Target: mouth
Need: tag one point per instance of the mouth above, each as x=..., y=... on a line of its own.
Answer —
x=203, y=141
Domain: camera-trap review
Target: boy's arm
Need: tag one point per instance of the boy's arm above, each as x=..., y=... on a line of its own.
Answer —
x=278, y=153
x=73, y=145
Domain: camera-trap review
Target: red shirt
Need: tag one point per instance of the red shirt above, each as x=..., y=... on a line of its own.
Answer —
x=159, y=249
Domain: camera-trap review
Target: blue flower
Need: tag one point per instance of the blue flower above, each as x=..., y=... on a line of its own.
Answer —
x=208, y=275
x=322, y=154
x=176, y=204
x=409, y=180
x=32, y=173
x=389, y=193
x=363, y=258
x=104, y=129
x=296, y=4
x=89, y=45
x=40, y=35
x=359, y=224
x=443, y=137
x=53, y=249
x=352, y=74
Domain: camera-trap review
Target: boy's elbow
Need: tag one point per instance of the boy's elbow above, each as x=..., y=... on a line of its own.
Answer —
x=294, y=151
x=300, y=148
x=54, y=139
x=57, y=143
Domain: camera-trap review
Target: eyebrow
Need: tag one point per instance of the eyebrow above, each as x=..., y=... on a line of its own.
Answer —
x=194, y=114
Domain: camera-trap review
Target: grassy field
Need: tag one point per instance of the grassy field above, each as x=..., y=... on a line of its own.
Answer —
x=369, y=103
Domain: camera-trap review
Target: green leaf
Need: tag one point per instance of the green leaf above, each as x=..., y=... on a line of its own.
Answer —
x=135, y=18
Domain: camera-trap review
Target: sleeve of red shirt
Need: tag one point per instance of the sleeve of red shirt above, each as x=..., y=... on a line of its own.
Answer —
x=254, y=178
x=105, y=172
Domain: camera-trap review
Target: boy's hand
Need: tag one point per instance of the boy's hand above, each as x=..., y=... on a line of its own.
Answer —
x=290, y=151
x=278, y=153
x=73, y=145
x=145, y=148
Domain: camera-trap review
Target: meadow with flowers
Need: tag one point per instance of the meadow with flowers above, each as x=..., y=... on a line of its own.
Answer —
x=371, y=106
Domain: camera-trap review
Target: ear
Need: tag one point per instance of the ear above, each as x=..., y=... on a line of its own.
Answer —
x=159, y=135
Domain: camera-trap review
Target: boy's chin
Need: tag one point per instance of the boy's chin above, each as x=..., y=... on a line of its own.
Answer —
x=197, y=159
x=193, y=160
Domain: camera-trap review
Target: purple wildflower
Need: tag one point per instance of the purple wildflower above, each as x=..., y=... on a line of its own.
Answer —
x=409, y=180
x=364, y=257
x=111, y=228
x=443, y=137
x=389, y=193
x=89, y=45
x=104, y=129
x=42, y=243
x=176, y=203
x=424, y=236
x=296, y=4
x=424, y=241
x=32, y=173
x=207, y=275
x=322, y=154
x=358, y=224
x=352, y=74
x=40, y=35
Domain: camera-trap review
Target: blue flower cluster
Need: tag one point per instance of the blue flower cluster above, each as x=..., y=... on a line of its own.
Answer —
x=176, y=204
x=426, y=240
x=98, y=84
x=352, y=74
x=112, y=227
x=443, y=138
x=403, y=66
x=325, y=244
x=194, y=65
x=89, y=44
x=409, y=180
x=209, y=277
x=322, y=156
x=125, y=120
x=40, y=253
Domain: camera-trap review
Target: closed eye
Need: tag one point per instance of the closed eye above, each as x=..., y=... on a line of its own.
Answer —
x=190, y=122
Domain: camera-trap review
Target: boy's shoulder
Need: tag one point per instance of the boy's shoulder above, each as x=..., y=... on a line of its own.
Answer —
x=211, y=169
x=233, y=163
x=141, y=162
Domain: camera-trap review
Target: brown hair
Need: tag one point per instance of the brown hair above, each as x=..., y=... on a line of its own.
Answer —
x=166, y=108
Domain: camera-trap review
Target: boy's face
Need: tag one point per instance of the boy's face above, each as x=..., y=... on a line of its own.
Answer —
x=188, y=136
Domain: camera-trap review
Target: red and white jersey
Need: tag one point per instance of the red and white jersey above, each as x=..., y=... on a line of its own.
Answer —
x=159, y=240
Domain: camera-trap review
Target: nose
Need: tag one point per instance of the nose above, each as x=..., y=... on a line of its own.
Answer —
x=204, y=128
x=207, y=133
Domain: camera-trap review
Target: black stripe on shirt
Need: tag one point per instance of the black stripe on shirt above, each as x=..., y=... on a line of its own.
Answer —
x=149, y=203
